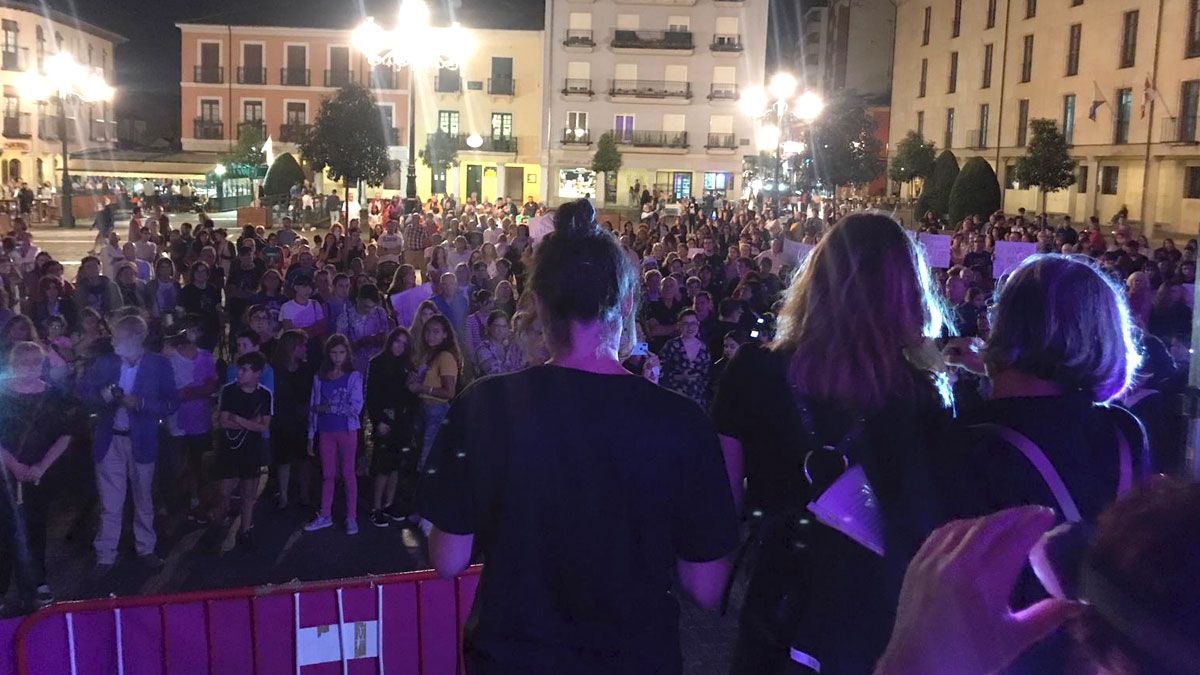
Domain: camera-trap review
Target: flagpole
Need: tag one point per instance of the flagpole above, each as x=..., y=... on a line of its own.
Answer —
x=1148, y=213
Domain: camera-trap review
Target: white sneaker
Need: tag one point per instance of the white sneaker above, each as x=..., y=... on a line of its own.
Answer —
x=319, y=523
x=351, y=526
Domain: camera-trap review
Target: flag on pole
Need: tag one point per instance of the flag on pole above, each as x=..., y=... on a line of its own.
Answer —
x=1097, y=101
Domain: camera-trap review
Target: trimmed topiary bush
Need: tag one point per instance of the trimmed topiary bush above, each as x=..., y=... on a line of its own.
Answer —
x=280, y=178
x=936, y=194
x=976, y=192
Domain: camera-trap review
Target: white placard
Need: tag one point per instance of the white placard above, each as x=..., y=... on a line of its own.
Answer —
x=693, y=252
x=405, y=303
x=319, y=644
x=541, y=226
x=796, y=251
x=936, y=247
x=1009, y=254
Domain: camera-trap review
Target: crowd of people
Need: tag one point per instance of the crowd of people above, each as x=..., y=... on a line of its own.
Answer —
x=601, y=411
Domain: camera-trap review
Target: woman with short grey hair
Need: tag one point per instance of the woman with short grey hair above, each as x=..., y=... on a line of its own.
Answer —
x=1062, y=348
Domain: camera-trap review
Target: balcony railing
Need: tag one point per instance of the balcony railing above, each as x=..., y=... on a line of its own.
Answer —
x=384, y=79
x=392, y=134
x=208, y=74
x=977, y=139
x=292, y=133
x=251, y=75
x=651, y=89
x=576, y=137
x=490, y=144
x=652, y=39
x=208, y=129
x=15, y=59
x=578, y=85
x=1181, y=129
x=723, y=141
x=501, y=86
x=726, y=43
x=294, y=77
x=252, y=127
x=18, y=126
x=447, y=83
x=103, y=130
x=721, y=91
x=338, y=78
x=652, y=139
x=48, y=129
x=579, y=37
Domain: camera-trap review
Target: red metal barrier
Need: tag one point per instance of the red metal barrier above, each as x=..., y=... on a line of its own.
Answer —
x=407, y=624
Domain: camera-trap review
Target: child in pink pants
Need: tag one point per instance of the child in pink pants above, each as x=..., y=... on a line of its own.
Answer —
x=334, y=413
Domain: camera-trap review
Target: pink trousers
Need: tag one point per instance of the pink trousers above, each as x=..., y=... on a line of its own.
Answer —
x=331, y=445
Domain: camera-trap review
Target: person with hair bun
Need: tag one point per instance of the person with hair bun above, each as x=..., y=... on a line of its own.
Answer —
x=587, y=489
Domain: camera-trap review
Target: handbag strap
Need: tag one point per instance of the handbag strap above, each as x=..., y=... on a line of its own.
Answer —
x=1040, y=462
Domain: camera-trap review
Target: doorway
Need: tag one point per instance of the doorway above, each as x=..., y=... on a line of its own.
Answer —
x=474, y=181
x=514, y=182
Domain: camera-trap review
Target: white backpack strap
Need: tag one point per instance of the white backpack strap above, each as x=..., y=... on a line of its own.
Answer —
x=1038, y=459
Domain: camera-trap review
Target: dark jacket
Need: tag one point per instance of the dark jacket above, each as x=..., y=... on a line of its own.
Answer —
x=155, y=385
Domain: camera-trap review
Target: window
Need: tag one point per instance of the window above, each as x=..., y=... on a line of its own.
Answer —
x=987, y=66
x=1109, y=176
x=1076, y=3
x=252, y=65
x=925, y=30
x=448, y=122
x=984, y=113
x=10, y=35
x=924, y=76
x=1191, y=182
x=1022, y=122
x=1027, y=59
x=577, y=121
x=1193, y=30
x=623, y=127
x=956, y=27
x=953, y=86
x=1129, y=39
x=210, y=109
x=438, y=183
x=991, y=15
x=501, y=81
x=1030, y=9
x=1082, y=180
x=718, y=181
x=40, y=38
x=387, y=117
x=252, y=111
x=1068, y=118
x=921, y=123
x=1189, y=109
x=502, y=126
x=948, y=139
x=296, y=113
x=1124, y=112
x=1073, y=41
x=1010, y=177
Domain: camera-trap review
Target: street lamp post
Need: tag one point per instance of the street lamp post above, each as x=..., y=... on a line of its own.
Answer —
x=776, y=101
x=65, y=81
x=420, y=45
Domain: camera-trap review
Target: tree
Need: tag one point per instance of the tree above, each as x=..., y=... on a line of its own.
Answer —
x=441, y=152
x=935, y=196
x=347, y=140
x=843, y=145
x=607, y=159
x=976, y=191
x=283, y=173
x=913, y=159
x=249, y=148
x=1046, y=162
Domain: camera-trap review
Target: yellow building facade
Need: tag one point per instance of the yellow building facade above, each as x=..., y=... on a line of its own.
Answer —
x=492, y=109
x=971, y=74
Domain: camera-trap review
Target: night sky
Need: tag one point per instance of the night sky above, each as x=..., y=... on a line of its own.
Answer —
x=148, y=65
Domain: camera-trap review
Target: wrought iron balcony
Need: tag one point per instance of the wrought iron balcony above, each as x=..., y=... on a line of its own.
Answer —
x=48, y=129
x=1182, y=130
x=252, y=126
x=652, y=139
x=501, y=86
x=447, y=82
x=208, y=74
x=505, y=144
x=651, y=89
x=721, y=141
x=653, y=39
x=381, y=78
x=294, y=77
x=16, y=59
x=726, y=43
x=721, y=91
x=578, y=86
x=19, y=125
x=208, y=129
x=579, y=37
x=339, y=78
x=293, y=133
x=576, y=137
x=251, y=75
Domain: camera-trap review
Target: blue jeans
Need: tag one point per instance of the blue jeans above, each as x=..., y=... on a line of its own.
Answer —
x=432, y=415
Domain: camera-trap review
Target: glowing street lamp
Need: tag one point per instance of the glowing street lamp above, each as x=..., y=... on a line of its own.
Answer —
x=416, y=44
x=64, y=81
x=775, y=101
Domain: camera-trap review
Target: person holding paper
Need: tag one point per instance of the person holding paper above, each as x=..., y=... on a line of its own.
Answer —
x=847, y=391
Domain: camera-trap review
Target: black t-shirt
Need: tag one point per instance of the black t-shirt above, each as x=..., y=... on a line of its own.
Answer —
x=250, y=405
x=31, y=423
x=580, y=519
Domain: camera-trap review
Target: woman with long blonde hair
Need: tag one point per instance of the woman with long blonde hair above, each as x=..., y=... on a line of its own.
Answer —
x=849, y=390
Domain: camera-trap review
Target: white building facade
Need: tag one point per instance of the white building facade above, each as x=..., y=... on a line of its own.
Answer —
x=664, y=78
